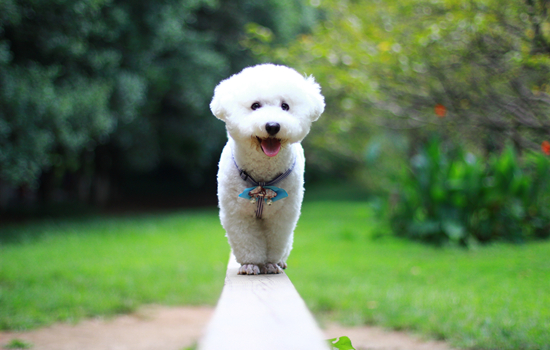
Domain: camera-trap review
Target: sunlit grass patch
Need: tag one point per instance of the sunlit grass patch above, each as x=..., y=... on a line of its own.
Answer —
x=66, y=270
x=486, y=297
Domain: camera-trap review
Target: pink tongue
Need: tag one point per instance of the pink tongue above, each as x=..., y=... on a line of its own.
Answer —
x=271, y=147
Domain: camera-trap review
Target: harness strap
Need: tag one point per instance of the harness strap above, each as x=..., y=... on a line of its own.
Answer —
x=246, y=177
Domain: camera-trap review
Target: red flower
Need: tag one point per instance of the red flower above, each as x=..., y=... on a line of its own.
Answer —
x=545, y=146
x=440, y=110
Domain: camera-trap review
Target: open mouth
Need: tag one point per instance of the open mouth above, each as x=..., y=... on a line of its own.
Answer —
x=271, y=146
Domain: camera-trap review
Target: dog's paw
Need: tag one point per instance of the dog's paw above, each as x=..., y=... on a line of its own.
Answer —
x=249, y=269
x=270, y=268
x=282, y=264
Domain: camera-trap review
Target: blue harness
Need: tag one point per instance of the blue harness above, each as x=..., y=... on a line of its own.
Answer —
x=263, y=192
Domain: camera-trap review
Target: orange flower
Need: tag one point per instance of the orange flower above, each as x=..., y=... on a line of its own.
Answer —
x=545, y=146
x=440, y=110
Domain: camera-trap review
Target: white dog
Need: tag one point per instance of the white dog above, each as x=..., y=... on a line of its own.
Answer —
x=268, y=110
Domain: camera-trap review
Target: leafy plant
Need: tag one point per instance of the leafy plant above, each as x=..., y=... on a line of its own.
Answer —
x=483, y=65
x=341, y=343
x=448, y=194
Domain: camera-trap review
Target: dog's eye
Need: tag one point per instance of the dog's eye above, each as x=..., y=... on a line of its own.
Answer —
x=285, y=106
x=255, y=106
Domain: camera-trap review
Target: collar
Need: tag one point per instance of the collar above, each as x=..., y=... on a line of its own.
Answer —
x=263, y=191
x=246, y=177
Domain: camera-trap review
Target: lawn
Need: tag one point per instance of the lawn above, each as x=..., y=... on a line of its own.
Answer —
x=493, y=297
x=66, y=270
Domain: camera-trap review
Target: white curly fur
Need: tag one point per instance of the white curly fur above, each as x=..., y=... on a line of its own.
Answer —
x=263, y=245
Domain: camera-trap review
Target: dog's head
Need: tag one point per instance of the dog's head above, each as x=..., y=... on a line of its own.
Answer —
x=269, y=106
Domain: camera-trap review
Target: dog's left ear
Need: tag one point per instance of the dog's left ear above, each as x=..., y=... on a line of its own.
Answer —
x=317, y=100
x=222, y=96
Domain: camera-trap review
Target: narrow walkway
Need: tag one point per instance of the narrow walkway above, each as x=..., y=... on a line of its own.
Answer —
x=155, y=327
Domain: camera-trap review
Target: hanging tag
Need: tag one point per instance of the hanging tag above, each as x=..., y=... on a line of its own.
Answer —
x=258, y=192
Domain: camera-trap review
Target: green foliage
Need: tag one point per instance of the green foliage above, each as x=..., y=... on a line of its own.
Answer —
x=192, y=347
x=133, y=78
x=448, y=194
x=389, y=63
x=340, y=343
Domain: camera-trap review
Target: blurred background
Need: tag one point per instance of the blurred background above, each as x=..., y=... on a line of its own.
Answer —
x=107, y=102
x=440, y=108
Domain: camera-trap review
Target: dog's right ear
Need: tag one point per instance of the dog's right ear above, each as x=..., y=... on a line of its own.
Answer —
x=317, y=100
x=222, y=97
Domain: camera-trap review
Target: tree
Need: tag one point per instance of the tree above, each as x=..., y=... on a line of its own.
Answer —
x=482, y=67
x=102, y=87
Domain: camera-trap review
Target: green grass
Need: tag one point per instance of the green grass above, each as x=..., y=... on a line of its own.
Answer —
x=18, y=344
x=493, y=297
x=67, y=270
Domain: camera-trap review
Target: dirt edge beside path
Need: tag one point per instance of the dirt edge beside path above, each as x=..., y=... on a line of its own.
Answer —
x=175, y=328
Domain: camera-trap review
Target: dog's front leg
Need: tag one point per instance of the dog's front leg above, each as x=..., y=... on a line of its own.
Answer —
x=280, y=244
x=249, y=245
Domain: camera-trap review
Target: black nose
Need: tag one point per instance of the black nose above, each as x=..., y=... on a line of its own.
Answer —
x=272, y=128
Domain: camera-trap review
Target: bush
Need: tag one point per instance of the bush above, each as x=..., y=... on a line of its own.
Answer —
x=450, y=195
